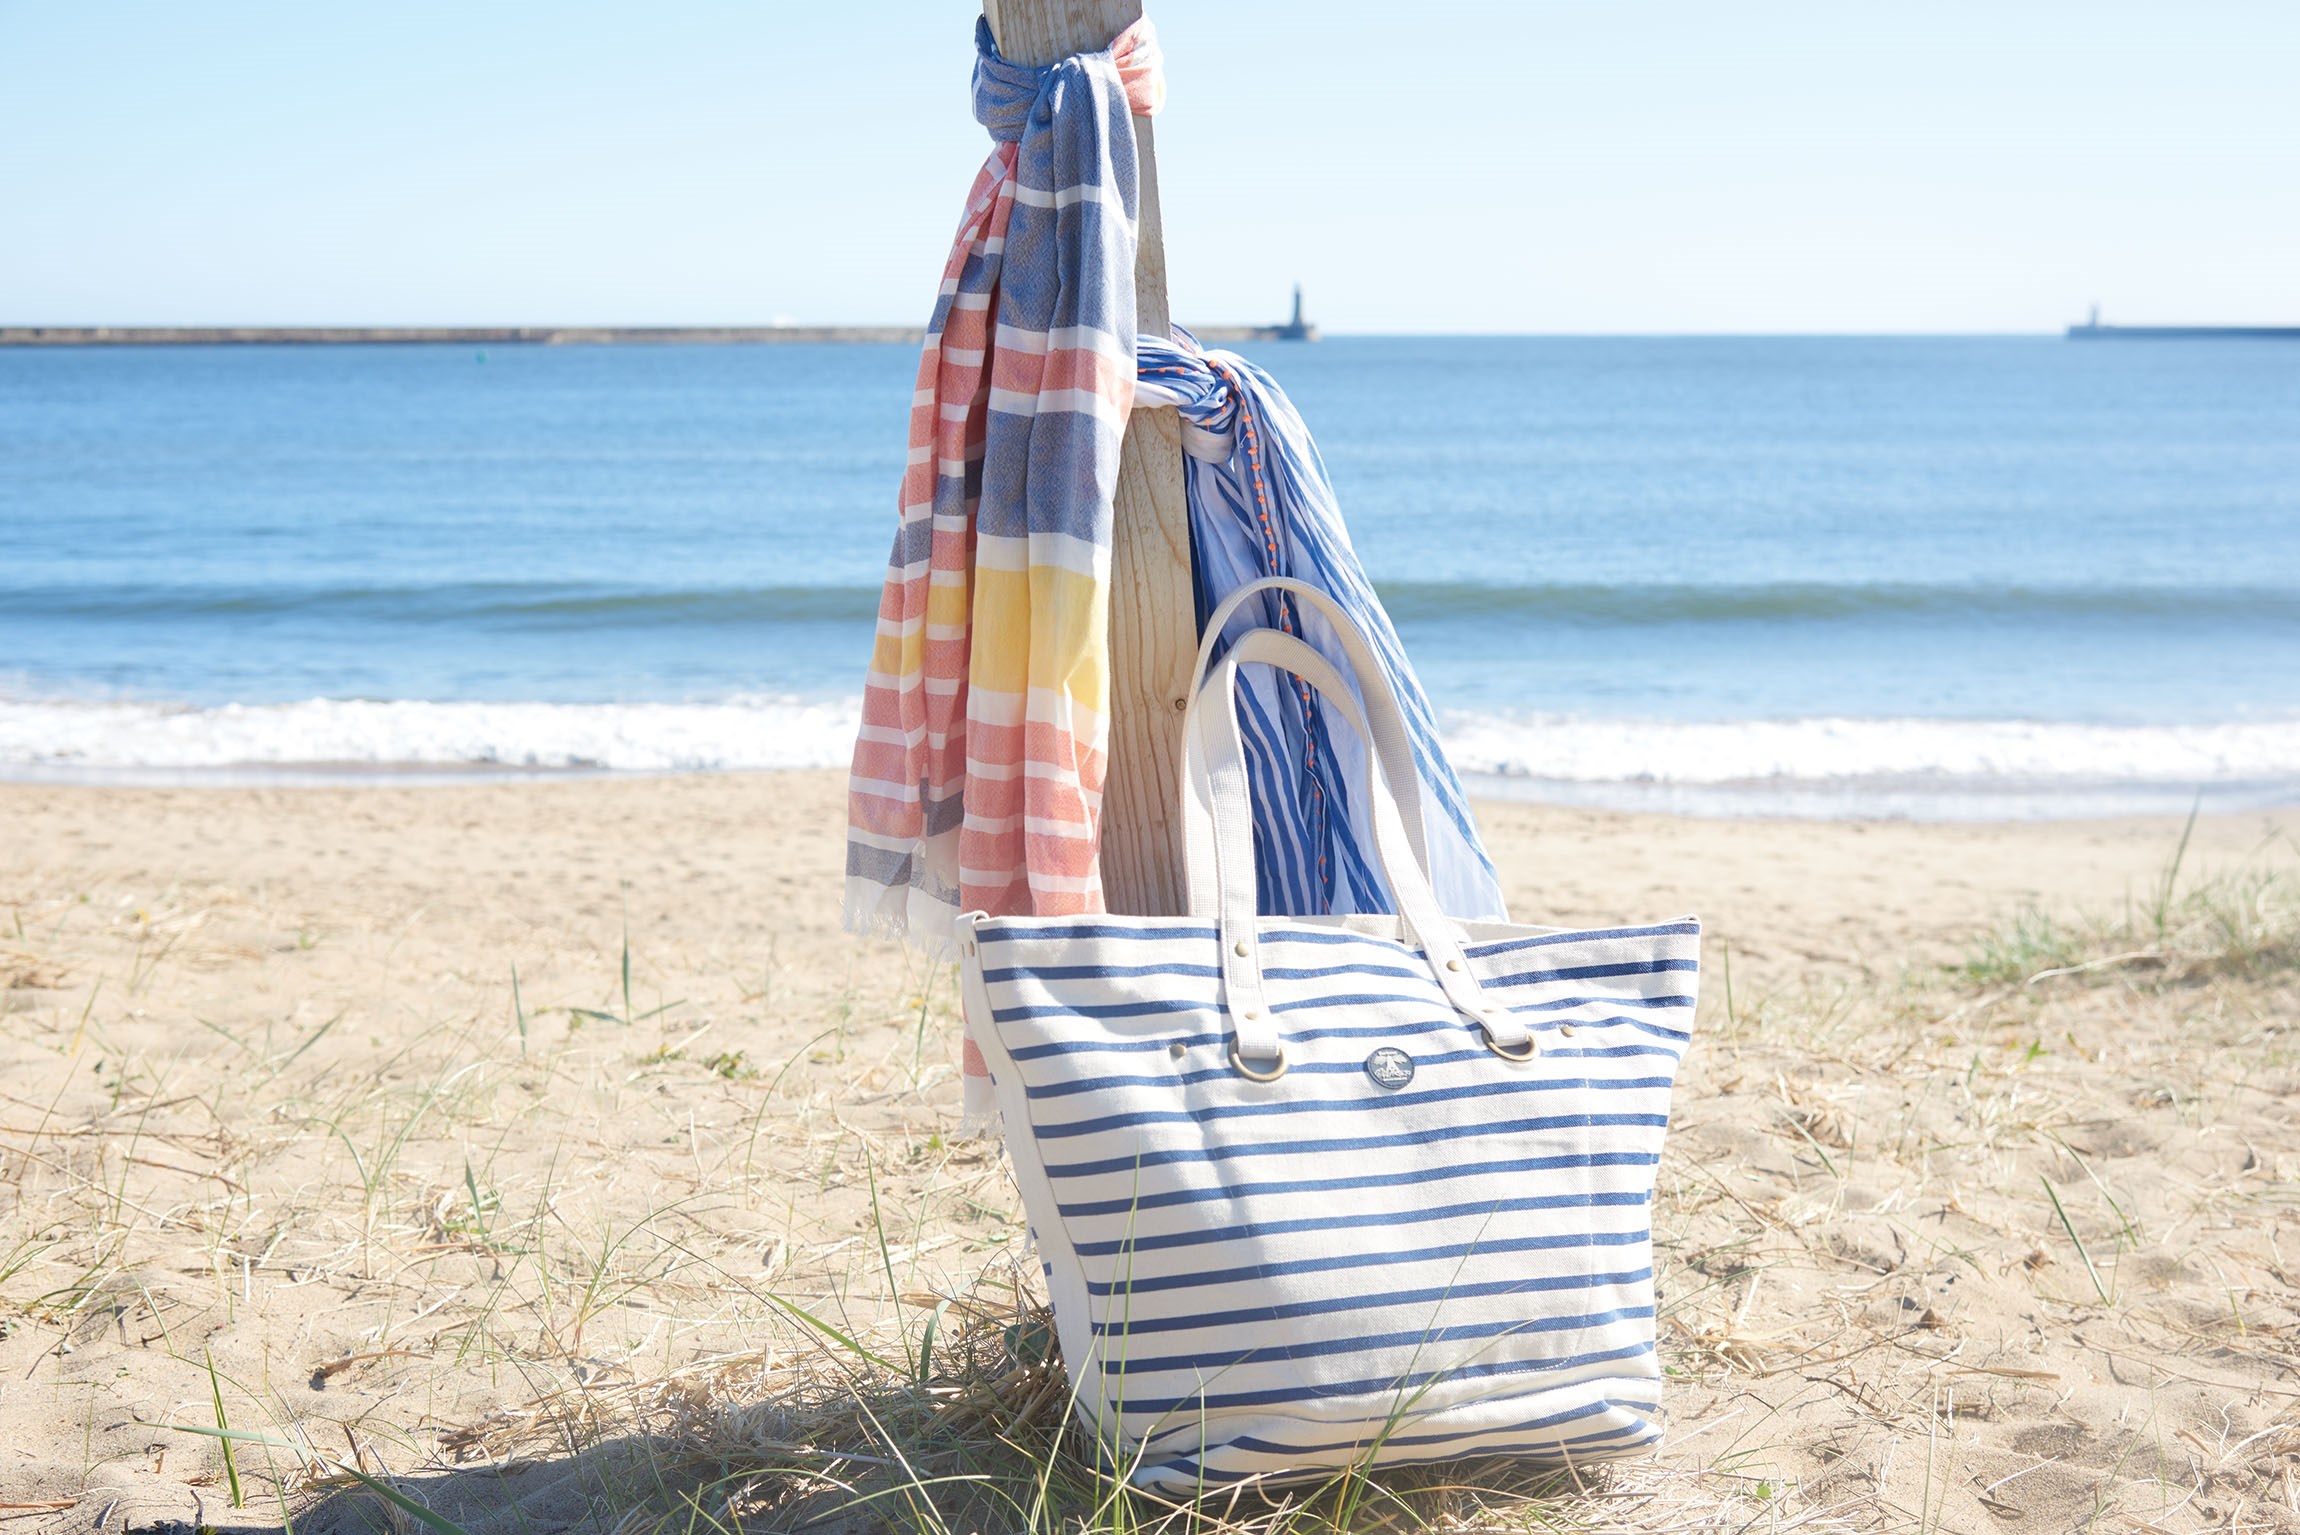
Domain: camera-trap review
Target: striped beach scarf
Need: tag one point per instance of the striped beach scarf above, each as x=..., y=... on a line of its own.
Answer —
x=978, y=772
x=1261, y=505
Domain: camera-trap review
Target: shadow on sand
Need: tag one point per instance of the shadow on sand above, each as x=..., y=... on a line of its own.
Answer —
x=596, y=1489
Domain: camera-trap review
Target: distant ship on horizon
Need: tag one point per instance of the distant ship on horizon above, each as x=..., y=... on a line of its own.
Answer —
x=2092, y=330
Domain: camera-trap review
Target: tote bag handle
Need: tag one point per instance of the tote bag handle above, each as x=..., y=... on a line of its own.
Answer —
x=1219, y=842
x=1215, y=745
x=1372, y=681
x=1213, y=721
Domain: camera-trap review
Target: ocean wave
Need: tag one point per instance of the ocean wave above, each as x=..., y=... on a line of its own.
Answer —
x=57, y=737
x=64, y=739
x=1961, y=752
x=1634, y=603
x=479, y=603
x=548, y=605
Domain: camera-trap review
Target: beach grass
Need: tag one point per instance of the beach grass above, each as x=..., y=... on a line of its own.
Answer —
x=2242, y=921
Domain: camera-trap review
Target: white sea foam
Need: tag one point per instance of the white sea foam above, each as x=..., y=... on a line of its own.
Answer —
x=1582, y=750
x=139, y=739
x=1923, y=767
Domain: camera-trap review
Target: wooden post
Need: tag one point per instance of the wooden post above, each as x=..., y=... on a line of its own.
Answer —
x=1153, y=614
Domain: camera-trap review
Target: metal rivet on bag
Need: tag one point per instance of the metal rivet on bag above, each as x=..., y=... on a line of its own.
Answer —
x=1453, y=964
x=1241, y=949
x=1390, y=1067
x=1566, y=1029
x=1177, y=1049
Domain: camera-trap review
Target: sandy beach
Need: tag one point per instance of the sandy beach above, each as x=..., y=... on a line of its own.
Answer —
x=492, y=1138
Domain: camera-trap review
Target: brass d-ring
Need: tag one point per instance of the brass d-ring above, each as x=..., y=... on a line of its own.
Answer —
x=1532, y=1047
x=1249, y=1073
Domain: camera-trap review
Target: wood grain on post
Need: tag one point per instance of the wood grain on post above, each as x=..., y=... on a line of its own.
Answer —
x=1153, y=614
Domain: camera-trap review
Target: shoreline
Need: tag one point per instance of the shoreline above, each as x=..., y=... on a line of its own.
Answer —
x=1879, y=800
x=790, y=824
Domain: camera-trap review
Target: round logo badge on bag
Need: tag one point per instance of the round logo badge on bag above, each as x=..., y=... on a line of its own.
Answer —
x=1390, y=1067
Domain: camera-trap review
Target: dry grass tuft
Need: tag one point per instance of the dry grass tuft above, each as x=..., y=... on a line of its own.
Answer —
x=964, y=1423
x=2241, y=923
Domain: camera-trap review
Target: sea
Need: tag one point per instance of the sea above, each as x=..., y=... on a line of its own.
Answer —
x=1932, y=578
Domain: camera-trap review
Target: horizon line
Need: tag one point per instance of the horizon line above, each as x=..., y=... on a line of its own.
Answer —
x=737, y=333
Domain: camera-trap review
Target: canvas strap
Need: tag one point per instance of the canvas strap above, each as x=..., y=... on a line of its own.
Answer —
x=1218, y=819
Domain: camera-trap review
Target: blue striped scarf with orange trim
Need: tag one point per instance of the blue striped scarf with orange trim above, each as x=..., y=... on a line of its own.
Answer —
x=1261, y=505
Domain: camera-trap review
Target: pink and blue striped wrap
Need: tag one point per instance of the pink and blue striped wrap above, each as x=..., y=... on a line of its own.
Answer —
x=978, y=772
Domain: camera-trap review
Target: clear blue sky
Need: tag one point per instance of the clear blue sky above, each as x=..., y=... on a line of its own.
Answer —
x=1539, y=165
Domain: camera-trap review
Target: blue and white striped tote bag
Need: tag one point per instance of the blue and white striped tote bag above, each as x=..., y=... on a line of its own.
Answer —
x=1315, y=1192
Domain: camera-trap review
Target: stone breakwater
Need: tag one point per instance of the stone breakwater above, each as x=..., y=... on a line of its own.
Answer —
x=502, y=335
x=457, y=335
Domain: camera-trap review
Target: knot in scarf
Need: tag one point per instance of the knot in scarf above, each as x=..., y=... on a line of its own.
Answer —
x=1007, y=95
